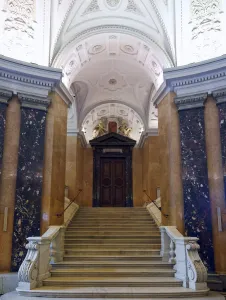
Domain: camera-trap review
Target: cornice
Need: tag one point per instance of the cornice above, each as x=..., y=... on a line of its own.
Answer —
x=205, y=77
x=190, y=102
x=20, y=77
x=34, y=102
x=5, y=96
x=220, y=96
x=63, y=92
x=146, y=134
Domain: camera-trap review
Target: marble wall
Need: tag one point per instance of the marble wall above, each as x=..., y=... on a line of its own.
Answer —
x=29, y=182
x=137, y=177
x=197, y=207
x=222, y=119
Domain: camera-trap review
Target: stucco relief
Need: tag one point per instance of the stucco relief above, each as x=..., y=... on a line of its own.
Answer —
x=206, y=29
x=92, y=7
x=133, y=8
x=18, y=32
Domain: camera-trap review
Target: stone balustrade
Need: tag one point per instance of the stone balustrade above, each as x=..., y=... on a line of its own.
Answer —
x=183, y=252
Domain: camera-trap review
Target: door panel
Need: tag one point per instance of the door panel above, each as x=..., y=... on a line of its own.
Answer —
x=112, y=189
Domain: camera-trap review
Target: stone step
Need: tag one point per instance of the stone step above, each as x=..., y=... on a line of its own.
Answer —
x=61, y=291
x=113, y=272
x=111, y=246
x=96, y=257
x=109, y=263
x=112, y=240
x=113, y=232
x=112, y=282
x=113, y=227
x=111, y=252
x=113, y=218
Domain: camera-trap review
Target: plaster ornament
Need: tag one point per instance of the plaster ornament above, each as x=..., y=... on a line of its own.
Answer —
x=156, y=68
x=133, y=8
x=129, y=49
x=206, y=28
x=124, y=129
x=18, y=34
x=112, y=81
x=100, y=128
x=97, y=49
x=92, y=7
x=113, y=3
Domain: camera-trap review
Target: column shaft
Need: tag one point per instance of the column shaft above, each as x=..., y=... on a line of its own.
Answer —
x=8, y=180
x=29, y=181
x=170, y=158
x=197, y=207
x=216, y=182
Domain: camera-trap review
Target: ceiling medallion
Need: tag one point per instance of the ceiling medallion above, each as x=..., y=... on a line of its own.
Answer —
x=113, y=3
x=128, y=49
x=97, y=49
x=112, y=81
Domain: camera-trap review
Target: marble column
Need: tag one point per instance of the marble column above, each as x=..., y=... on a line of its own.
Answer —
x=220, y=97
x=197, y=206
x=216, y=180
x=170, y=166
x=54, y=163
x=29, y=175
x=4, y=98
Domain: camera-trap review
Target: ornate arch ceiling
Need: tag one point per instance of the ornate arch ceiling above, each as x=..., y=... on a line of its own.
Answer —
x=113, y=51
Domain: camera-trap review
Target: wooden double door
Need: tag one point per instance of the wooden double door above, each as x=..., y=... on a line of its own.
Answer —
x=112, y=182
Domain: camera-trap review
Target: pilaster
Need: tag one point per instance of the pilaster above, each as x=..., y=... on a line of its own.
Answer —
x=197, y=207
x=27, y=212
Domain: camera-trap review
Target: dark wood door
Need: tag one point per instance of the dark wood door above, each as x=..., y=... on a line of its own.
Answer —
x=112, y=182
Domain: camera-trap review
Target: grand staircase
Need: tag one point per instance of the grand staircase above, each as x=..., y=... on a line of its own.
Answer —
x=113, y=253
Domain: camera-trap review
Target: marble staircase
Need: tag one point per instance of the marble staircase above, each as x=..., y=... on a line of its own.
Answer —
x=113, y=253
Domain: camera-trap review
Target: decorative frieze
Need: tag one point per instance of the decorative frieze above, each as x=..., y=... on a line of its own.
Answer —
x=190, y=102
x=34, y=102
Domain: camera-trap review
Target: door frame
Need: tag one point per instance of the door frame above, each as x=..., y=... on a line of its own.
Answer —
x=112, y=145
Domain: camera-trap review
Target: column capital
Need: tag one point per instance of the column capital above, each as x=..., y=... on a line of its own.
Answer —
x=220, y=96
x=34, y=102
x=5, y=96
x=191, y=101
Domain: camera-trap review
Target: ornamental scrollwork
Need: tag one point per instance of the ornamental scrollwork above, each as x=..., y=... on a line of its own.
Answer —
x=196, y=270
x=28, y=271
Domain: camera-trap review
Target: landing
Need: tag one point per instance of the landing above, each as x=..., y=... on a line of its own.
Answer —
x=15, y=296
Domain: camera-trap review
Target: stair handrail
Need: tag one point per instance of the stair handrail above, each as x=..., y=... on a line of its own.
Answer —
x=154, y=202
x=183, y=253
x=71, y=201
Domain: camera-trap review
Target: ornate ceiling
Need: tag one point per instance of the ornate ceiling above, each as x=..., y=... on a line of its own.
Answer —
x=112, y=51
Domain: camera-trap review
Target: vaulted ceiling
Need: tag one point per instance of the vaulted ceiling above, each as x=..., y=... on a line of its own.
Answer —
x=113, y=52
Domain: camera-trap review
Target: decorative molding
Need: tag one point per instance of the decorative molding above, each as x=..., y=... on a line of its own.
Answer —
x=113, y=3
x=5, y=96
x=133, y=8
x=65, y=95
x=204, y=77
x=220, y=96
x=190, y=102
x=146, y=134
x=111, y=28
x=28, y=79
x=28, y=101
x=92, y=7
